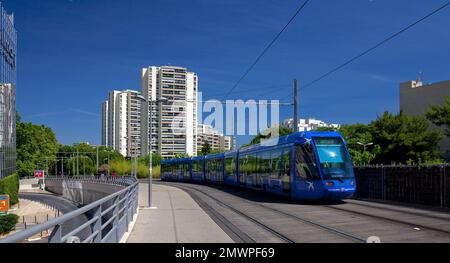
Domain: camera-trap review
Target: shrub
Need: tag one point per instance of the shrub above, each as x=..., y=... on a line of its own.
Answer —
x=8, y=223
x=10, y=186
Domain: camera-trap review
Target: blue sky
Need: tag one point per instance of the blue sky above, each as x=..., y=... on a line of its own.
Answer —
x=72, y=52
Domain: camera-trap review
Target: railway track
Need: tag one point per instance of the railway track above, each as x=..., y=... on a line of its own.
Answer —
x=284, y=237
x=226, y=223
x=393, y=220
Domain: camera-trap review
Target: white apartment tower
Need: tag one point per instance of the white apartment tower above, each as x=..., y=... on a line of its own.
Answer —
x=172, y=118
x=105, y=121
x=121, y=128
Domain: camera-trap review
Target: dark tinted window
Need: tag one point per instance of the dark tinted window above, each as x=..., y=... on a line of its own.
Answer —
x=305, y=163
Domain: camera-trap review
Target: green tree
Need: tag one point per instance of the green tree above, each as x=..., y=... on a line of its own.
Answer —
x=440, y=116
x=156, y=159
x=404, y=139
x=358, y=134
x=34, y=143
x=206, y=149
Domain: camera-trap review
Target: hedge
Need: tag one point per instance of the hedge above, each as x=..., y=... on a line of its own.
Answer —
x=8, y=223
x=10, y=186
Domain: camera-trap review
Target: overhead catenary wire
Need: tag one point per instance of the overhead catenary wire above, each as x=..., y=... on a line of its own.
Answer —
x=384, y=41
x=302, y=6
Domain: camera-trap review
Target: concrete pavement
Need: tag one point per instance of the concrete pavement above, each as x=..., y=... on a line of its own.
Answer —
x=177, y=219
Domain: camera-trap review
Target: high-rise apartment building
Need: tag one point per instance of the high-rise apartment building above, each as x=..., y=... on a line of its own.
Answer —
x=121, y=122
x=170, y=126
x=105, y=121
x=217, y=141
x=8, y=50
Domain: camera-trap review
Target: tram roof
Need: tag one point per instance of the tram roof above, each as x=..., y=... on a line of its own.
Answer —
x=299, y=137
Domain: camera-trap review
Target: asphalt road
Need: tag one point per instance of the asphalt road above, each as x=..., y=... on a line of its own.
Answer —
x=65, y=206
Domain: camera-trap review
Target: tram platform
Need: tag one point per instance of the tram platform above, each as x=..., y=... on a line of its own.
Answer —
x=176, y=218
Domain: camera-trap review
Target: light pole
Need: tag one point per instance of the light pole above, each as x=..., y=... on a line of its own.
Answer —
x=365, y=145
x=149, y=103
x=133, y=151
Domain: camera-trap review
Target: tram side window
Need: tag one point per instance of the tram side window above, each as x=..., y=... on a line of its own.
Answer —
x=265, y=163
x=197, y=167
x=276, y=164
x=242, y=169
x=230, y=166
x=305, y=163
x=208, y=168
x=212, y=167
x=287, y=162
x=220, y=168
x=250, y=165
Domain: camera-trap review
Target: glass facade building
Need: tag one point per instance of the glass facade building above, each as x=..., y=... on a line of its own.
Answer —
x=8, y=47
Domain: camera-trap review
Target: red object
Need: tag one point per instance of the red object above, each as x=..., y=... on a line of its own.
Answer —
x=4, y=203
x=114, y=175
x=38, y=174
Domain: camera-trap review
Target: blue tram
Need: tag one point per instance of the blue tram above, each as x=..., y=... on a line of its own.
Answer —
x=305, y=166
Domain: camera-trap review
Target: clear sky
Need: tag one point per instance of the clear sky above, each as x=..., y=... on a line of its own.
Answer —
x=72, y=52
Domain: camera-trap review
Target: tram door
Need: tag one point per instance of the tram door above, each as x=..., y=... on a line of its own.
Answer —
x=306, y=169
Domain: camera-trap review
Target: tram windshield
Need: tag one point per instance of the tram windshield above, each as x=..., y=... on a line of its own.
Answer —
x=334, y=159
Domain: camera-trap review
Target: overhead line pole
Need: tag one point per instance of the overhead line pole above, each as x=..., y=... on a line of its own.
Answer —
x=296, y=128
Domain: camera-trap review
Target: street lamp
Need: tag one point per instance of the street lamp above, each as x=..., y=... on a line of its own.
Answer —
x=133, y=149
x=150, y=165
x=109, y=151
x=365, y=145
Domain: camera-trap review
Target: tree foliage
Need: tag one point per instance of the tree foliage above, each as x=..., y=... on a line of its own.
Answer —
x=8, y=223
x=440, y=116
x=206, y=149
x=34, y=143
x=405, y=139
x=358, y=134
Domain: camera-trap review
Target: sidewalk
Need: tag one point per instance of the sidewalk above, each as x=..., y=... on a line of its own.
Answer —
x=177, y=219
x=32, y=213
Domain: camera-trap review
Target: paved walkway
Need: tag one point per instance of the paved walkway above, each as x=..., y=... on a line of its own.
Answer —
x=177, y=219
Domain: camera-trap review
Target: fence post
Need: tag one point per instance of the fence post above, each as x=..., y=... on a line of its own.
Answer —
x=56, y=235
x=98, y=225
x=116, y=217
x=441, y=185
x=383, y=182
x=127, y=208
x=444, y=184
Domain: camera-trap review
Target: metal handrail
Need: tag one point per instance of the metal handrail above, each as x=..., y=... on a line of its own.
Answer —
x=129, y=195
